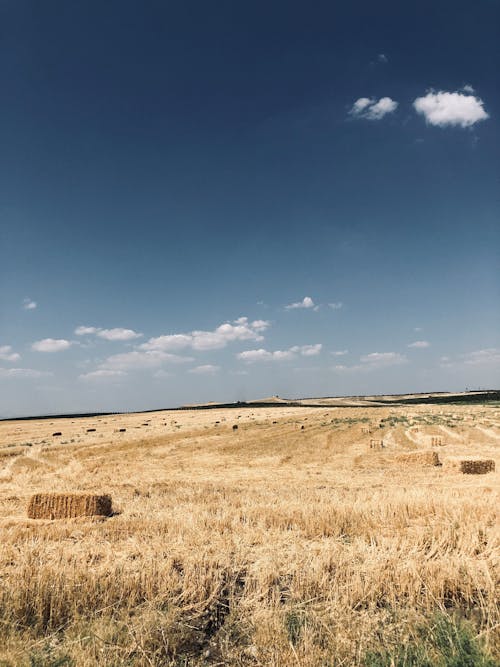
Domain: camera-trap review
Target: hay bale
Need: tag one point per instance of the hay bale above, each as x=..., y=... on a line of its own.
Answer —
x=436, y=441
x=376, y=444
x=425, y=457
x=56, y=433
x=235, y=427
x=91, y=430
x=469, y=465
x=68, y=505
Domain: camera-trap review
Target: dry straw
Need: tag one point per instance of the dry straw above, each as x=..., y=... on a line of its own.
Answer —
x=469, y=465
x=68, y=505
x=424, y=457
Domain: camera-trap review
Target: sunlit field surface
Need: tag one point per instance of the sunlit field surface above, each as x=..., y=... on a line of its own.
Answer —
x=287, y=541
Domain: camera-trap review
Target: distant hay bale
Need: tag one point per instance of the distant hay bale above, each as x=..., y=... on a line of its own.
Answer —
x=469, y=465
x=122, y=430
x=56, y=433
x=68, y=505
x=365, y=429
x=91, y=430
x=235, y=427
x=436, y=441
x=425, y=457
x=376, y=444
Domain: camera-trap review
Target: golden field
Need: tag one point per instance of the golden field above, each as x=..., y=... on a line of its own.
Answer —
x=271, y=544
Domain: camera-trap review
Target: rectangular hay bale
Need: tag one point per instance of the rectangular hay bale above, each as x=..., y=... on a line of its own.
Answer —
x=426, y=457
x=469, y=465
x=68, y=505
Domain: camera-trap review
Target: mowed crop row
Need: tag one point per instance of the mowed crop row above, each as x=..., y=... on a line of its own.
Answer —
x=268, y=545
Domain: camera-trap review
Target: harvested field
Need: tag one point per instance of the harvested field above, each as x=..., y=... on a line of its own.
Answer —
x=273, y=546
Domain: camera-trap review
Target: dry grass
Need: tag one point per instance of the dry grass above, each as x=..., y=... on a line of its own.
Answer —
x=273, y=546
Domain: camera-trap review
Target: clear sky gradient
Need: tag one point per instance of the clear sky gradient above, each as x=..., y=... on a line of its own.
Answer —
x=224, y=201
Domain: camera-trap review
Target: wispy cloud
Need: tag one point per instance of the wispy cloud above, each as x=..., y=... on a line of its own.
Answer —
x=252, y=356
x=420, y=344
x=29, y=304
x=372, y=109
x=487, y=357
x=22, y=373
x=51, y=345
x=339, y=353
x=237, y=330
x=102, y=374
x=205, y=369
x=139, y=360
x=444, y=109
x=337, y=305
x=306, y=302
x=382, y=58
x=6, y=353
x=374, y=361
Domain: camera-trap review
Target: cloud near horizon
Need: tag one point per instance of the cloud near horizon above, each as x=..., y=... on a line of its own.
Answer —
x=374, y=361
x=141, y=360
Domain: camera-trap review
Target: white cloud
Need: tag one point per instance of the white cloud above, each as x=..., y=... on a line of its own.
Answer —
x=372, y=109
x=6, y=353
x=116, y=334
x=468, y=88
x=306, y=302
x=444, y=109
x=102, y=374
x=252, y=356
x=336, y=305
x=420, y=344
x=206, y=369
x=238, y=330
x=308, y=350
x=84, y=331
x=137, y=360
x=21, y=373
x=51, y=345
x=340, y=353
x=382, y=58
x=29, y=304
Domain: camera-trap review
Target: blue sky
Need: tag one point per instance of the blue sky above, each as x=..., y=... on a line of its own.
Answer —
x=173, y=177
